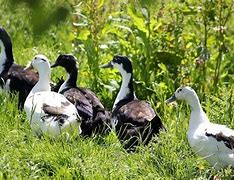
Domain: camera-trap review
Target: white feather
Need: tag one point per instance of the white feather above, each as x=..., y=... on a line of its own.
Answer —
x=41, y=124
x=124, y=89
x=63, y=86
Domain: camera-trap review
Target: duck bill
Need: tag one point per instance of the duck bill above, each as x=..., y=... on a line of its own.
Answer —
x=108, y=65
x=171, y=99
x=28, y=67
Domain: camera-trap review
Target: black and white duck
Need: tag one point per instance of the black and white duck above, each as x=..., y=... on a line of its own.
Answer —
x=13, y=77
x=214, y=142
x=94, y=116
x=49, y=112
x=135, y=121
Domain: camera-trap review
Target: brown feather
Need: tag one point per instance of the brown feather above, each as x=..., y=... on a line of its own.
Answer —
x=51, y=110
x=227, y=140
x=137, y=123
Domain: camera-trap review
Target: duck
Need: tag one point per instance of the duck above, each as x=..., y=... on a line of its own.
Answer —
x=48, y=112
x=13, y=77
x=95, y=118
x=213, y=142
x=134, y=120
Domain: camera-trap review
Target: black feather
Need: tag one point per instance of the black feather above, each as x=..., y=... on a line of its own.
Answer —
x=227, y=140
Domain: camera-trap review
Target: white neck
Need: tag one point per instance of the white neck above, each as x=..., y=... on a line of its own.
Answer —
x=63, y=86
x=43, y=83
x=3, y=56
x=198, y=116
x=124, y=89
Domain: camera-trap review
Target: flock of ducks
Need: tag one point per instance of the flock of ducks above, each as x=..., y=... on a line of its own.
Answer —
x=66, y=108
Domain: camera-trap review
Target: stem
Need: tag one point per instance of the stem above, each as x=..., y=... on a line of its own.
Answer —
x=230, y=106
x=148, y=48
x=92, y=45
x=205, y=46
x=221, y=39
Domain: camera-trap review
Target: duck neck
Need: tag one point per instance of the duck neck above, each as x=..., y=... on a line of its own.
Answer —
x=43, y=83
x=198, y=116
x=6, y=57
x=194, y=103
x=126, y=92
x=70, y=81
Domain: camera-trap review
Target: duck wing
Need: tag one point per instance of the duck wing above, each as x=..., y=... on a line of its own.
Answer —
x=222, y=136
x=21, y=81
x=76, y=97
x=51, y=113
x=53, y=110
x=91, y=96
x=210, y=138
x=18, y=73
x=100, y=122
x=58, y=112
x=137, y=122
x=136, y=112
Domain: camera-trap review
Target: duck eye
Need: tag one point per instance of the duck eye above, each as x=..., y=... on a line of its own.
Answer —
x=179, y=90
x=118, y=60
x=43, y=60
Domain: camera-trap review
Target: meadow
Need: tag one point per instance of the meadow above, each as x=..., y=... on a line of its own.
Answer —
x=170, y=43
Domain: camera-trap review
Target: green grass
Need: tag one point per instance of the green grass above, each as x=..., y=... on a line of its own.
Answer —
x=168, y=156
x=26, y=156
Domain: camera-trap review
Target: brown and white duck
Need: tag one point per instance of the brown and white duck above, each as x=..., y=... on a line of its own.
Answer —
x=94, y=116
x=13, y=77
x=214, y=142
x=49, y=113
x=134, y=120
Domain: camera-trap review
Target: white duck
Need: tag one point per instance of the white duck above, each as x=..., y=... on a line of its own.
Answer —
x=49, y=112
x=214, y=142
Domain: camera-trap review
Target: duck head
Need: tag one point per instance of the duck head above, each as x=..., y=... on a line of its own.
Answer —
x=40, y=63
x=122, y=63
x=182, y=93
x=68, y=61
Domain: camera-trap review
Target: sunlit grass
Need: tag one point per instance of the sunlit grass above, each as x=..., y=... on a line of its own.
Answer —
x=168, y=156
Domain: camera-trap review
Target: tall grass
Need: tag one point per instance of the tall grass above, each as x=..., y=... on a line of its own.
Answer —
x=163, y=41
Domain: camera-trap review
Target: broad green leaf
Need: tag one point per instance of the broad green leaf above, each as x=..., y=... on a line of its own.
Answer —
x=137, y=21
x=162, y=67
x=70, y=37
x=83, y=35
x=100, y=3
x=189, y=45
x=155, y=25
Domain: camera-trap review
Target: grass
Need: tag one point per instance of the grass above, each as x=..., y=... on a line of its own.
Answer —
x=168, y=156
x=25, y=156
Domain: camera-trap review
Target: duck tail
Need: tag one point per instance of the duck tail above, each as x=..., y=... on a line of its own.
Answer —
x=101, y=121
x=157, y=125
